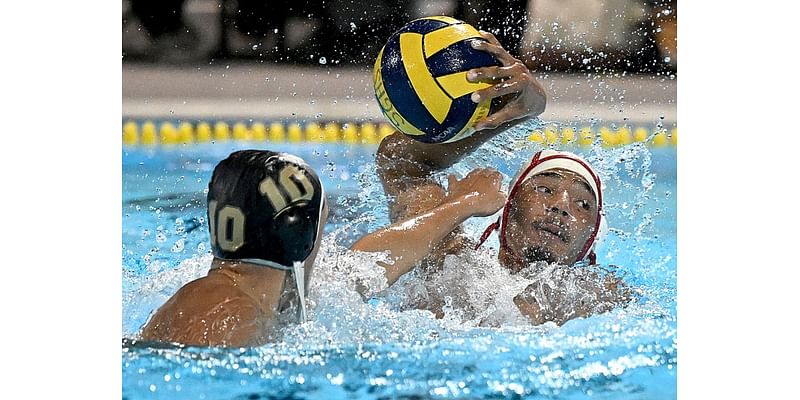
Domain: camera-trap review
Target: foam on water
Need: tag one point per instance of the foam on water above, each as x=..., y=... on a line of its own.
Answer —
x=349, y=302
x=352, y=348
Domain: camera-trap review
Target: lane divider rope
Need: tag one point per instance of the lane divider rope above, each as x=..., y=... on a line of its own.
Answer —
x=150, y=134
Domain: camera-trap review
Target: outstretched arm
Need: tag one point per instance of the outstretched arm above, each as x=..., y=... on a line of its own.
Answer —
x=410, y=240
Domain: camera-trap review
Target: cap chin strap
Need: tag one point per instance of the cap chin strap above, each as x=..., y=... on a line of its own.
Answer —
x=298, y=270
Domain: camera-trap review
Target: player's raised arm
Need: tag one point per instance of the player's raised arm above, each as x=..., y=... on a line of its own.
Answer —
x=440, y=102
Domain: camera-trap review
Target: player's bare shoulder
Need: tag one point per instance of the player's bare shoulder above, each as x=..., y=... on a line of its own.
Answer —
x=202, y=310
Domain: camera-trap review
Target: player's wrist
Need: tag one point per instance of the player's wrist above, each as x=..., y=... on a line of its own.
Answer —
x=474, y=204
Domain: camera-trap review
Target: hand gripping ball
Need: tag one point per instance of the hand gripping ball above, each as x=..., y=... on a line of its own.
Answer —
x=420, y=79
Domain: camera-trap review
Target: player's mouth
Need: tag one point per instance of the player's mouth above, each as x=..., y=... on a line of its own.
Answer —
x=553, y=230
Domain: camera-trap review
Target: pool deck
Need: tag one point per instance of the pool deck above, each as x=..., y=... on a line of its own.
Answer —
x=269, y=92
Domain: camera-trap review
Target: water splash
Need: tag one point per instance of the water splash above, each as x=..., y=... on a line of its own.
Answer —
x=482, y=347
x=143, y=295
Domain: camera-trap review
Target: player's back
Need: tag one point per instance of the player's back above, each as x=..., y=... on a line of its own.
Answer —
x=210, y=311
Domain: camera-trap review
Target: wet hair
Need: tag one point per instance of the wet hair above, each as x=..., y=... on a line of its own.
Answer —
x=264, y=206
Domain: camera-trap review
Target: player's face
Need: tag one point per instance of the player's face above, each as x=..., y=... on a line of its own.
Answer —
x=552, y=216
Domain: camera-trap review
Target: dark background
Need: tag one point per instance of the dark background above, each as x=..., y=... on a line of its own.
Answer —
x=548, y=35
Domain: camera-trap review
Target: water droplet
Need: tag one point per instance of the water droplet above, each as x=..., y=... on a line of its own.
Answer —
x=179, y=246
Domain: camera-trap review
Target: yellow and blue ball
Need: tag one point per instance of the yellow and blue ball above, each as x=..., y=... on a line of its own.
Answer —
x=420, y=79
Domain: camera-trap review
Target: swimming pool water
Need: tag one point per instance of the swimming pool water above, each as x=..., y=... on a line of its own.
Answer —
x=353, y=349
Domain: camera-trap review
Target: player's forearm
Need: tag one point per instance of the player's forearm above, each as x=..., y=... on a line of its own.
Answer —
x=410, y=158
x=411, y=240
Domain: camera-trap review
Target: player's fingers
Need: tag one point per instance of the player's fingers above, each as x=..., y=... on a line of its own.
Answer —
x=513, y=85
x=498, y=51
x=506, y=114
x=490, y=37
x=451, y=181
x=491, y=74
x=495, y=74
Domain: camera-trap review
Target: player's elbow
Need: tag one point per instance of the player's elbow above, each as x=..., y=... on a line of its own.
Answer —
x=390, y=150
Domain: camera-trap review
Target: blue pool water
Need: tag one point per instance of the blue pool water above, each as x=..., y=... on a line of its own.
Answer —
x=351, y=349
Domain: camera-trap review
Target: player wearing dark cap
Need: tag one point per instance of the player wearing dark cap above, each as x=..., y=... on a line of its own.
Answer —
x=266, y=212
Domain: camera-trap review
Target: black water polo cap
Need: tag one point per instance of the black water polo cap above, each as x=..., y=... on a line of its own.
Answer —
x=264, y=206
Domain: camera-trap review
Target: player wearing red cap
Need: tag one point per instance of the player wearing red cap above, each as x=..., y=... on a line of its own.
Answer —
x=553, y=211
